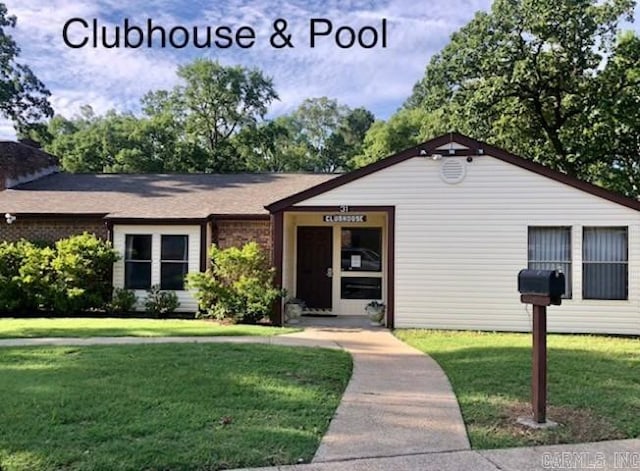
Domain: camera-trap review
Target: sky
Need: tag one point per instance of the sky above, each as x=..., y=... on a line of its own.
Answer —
x=377, y=78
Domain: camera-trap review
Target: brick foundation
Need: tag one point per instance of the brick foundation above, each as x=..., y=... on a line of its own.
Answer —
x=51, y=229
x=237, y=233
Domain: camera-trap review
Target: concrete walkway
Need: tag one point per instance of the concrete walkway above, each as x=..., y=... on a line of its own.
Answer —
x=398, y=402
x=611, y=455
x=284, y=340
x=398, y=411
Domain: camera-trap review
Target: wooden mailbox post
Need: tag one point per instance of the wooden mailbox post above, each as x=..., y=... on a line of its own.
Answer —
x=541, y=288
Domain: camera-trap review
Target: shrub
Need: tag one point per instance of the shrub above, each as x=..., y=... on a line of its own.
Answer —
x=238, y=287
x=122, y=301
x=24, y=276
x=82, y=266
x=70, y=277
x=161, y=303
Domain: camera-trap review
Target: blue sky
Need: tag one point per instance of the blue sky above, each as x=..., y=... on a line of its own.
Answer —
x=379, y=79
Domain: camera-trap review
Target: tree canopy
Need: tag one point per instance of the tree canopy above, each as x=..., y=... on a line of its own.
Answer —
x=556, y=81
x=551, y=80
x=23, y=98
x=214, y=121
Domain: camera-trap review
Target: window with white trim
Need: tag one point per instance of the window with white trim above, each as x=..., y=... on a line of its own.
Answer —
x=137, y=261
x=549, y=248
x=605, y=263
x=174, y=261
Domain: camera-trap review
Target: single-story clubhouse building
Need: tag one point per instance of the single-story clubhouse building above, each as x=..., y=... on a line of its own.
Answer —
x=438, y=232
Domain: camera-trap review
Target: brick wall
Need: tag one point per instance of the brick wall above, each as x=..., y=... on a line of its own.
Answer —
x=237, y=233
x=50, y=229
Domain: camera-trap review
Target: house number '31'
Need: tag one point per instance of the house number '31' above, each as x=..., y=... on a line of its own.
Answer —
x=344, y=208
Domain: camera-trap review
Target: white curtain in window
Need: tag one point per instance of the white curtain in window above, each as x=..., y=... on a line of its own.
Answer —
x=604, y=256
x=550, y=249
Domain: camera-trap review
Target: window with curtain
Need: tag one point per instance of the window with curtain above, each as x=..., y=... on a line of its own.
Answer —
x=549, y=248
x=605, y=263
x=137, y=261
x=174, y=261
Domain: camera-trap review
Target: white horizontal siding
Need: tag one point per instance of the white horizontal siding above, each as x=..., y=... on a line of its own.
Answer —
x=458, y=248
x=187, y=301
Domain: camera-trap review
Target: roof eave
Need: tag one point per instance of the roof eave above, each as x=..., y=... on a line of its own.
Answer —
x=475, y=147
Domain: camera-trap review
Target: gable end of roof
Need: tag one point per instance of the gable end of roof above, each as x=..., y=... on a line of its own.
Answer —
x=473, y=147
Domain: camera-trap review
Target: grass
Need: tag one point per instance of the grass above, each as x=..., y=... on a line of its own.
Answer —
x=593, y=385
x=165, y=407
x=115, y=327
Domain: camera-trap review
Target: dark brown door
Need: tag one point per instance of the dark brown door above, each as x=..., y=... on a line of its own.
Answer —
x=315, y=252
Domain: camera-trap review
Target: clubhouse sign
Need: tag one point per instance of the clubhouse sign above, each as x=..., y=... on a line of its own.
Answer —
x=348, y=218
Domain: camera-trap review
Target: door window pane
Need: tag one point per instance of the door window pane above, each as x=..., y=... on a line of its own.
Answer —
x=360, y=288
x=550, y=249
x=605, y=268
x=361, y=249
x=137, y=261
x=174, y=261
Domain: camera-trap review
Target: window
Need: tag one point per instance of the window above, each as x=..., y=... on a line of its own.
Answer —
x=361, y=249
x=604, y=263
x=550, y=249
x=137, y=261
x=173, y=261
x=360, y=287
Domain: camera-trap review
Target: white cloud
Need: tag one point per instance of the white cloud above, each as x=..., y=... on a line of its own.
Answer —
x=379, y=79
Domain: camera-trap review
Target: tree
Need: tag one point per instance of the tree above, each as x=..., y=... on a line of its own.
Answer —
x=23, y=98
x=332, y=133
x=214, y=103
x=406, y=128
x=528, y=74
x=119, y=142
x=213, y=122
x=270, y=147
x=611, y=132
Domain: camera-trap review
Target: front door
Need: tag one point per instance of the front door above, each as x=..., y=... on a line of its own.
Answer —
x=315, y=252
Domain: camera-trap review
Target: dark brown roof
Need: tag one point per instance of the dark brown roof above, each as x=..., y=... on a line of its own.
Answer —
x=18, y=160
x=153, y=196
x=474, y=147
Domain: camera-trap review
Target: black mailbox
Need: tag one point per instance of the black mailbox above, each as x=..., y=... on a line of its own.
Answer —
x=547, y=283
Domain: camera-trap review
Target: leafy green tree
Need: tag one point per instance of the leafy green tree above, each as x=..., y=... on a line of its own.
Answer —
x=120, y=142
x=213, y=122
x=213, y=104
x=406, y=128
x=270, y=147
x=23, y=98
x=610, y=133
x=316, y=122
x=354, y=127
x=528, y=75
x=332, y=133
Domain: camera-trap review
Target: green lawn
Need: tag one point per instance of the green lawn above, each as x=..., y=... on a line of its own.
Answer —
x=165, y=407
x=115, y=327
x=593, y=384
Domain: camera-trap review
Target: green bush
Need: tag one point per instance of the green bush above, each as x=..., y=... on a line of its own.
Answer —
x=37, y=278
x=122, y=301
x=238, y=287
x=73, y=276
x=159, y=303
x=82, y=266
x=24, y=276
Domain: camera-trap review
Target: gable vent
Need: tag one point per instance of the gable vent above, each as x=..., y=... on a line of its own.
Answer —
x=452, y=170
